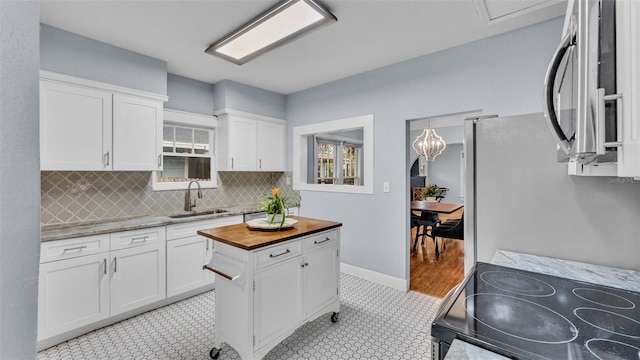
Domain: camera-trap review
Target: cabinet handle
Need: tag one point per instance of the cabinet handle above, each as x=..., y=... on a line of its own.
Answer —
x=79, y=248
x=115, y=265
x=159, y=161
x=283, y=253
x=224, y=275
x=321, y=241
x=104, y=262
x=260, y=161
x=106, y=159
x=139, y=239
x=305, y=264
x=207, y=241
x=232, y=163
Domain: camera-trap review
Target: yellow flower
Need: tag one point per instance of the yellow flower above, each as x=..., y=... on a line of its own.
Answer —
x=275, y=192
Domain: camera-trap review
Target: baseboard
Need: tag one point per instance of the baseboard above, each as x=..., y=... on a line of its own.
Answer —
x=376, y=277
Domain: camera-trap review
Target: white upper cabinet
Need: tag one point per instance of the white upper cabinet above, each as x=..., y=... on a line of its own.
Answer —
x=250, y=142
x=91, y=126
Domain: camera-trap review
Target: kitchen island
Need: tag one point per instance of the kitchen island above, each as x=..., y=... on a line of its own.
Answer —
x=268, y=283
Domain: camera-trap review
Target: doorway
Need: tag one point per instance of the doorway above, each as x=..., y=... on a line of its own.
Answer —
x=428, y=273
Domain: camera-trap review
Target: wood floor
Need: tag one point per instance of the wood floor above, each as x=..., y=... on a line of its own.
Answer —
x=433, y=275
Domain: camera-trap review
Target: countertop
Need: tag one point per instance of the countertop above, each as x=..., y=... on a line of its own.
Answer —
x=71, y=230
x=595, y=274
x=240, y=236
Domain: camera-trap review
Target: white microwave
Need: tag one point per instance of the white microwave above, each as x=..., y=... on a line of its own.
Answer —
x=592, y=88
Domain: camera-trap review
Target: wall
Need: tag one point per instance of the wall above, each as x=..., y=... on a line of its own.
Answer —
x=445, y=172
x=68, y=53
x=19, y=187
x=189, y=95
x=501, y=75
x=233, y=95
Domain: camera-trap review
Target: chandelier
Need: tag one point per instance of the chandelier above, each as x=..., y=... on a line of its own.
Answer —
x=429, y=144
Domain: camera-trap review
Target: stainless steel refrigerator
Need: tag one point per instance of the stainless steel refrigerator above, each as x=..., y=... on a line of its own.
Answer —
x=519, y=198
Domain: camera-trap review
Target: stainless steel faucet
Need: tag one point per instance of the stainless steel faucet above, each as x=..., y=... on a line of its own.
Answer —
x=188, y=204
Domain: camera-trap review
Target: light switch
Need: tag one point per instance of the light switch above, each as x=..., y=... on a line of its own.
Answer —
x=385, y=186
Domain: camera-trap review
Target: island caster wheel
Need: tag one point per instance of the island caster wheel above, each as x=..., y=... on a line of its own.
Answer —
x=335, y=317
x=214, y=353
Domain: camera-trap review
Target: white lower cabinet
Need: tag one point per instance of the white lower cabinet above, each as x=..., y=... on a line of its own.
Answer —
x=271, y=291
x=72, y=293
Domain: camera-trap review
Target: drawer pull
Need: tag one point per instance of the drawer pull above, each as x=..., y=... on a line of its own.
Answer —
x=139, y=239
x=321, y=241
x=223, y=274
x=78, y=248
x=283, y=253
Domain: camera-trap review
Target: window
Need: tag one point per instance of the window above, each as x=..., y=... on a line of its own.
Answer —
x=188, y=154
x=334, y=156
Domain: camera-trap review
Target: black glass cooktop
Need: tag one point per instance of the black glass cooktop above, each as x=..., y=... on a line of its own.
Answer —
x=526, y=315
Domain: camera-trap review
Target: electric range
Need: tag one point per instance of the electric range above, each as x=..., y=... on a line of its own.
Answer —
x=527, y=315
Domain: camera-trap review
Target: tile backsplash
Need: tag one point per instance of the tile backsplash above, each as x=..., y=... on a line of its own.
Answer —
x=77, y=196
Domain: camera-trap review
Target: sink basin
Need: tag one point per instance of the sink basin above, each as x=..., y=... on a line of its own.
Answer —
x=208, y=212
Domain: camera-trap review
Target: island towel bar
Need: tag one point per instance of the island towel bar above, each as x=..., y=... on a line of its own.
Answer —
x=224, y=275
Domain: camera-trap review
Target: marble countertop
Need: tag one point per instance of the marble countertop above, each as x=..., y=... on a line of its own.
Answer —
x=596, y=274
x=71, y=230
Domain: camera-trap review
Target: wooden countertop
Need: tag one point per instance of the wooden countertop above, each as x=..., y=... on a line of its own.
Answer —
x=240, y=236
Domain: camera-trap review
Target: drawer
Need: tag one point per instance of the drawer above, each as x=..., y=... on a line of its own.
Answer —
x=182, y=230
x=127, y=239
x=321, y=240
x=71, y=248
x=277, y=253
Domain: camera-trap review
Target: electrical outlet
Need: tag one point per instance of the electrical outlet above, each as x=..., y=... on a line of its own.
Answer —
x=385, y=186
x=288, y=180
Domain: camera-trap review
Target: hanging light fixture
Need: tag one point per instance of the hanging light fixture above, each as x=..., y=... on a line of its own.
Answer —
x=429, y=144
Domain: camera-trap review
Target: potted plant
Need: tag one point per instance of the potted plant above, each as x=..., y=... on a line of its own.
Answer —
x=275, y=206
x=430, y=192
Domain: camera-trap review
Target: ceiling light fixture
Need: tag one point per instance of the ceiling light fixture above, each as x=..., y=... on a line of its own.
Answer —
x=429, y=144
x=275, y=27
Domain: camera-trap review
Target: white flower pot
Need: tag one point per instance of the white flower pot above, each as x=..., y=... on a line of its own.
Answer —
x=277, y=218
x=430, y=199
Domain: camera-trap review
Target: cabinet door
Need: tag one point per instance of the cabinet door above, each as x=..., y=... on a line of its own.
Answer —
x=75, y=128
x=271, y=146
x=321, y=277
x=137, y=277
x=72, y=293
x=185, y=258
x=137, y=134
x=277, y=301
x=242, y=144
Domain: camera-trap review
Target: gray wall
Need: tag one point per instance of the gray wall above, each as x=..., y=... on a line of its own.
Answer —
x=19, y=178
x=501, y=75
x=444, y=171
x=233, y=95
x=189, y=95
x=68, y=53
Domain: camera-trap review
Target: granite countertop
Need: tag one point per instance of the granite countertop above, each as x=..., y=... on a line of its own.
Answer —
x=71, y=230
x=596, y=274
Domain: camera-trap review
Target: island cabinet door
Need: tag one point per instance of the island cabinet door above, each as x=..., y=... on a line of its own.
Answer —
x=277, y=301
x=321, y=279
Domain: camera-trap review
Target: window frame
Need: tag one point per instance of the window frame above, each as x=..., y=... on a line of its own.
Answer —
x=193, y=121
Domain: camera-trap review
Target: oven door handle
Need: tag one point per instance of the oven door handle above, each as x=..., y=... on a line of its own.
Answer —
x=549, y=83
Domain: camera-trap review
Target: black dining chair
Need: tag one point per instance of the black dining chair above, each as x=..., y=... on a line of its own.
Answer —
x=423, y=221
x=450, y=229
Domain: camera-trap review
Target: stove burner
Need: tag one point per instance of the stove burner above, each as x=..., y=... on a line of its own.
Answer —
x=603, y=298
x=521, y=319
x=516, y=283
x=609, y=321
x=605, y=349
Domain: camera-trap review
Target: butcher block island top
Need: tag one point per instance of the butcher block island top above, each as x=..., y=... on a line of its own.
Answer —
x=243, y=237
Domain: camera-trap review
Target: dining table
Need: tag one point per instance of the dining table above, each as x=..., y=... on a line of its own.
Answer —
x=434, y=206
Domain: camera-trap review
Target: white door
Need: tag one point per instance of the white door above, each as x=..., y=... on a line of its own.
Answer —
x=321, y=277
x=271, y=146
x=72, y=293
x=185, y=258
x=75, y=128
x=137, y=134
x=242, y=144
x=138, y=277
x=277, y=301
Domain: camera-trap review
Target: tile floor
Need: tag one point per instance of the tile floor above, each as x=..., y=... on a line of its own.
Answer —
x=376, y=322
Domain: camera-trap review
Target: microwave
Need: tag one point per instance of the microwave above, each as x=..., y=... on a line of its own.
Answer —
x=592, y=86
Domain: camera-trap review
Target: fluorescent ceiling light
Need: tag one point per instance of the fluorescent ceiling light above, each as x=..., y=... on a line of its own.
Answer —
x=271, y=29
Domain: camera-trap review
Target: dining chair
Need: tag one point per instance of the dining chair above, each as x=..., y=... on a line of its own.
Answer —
x=450, y=229
x=423, y=221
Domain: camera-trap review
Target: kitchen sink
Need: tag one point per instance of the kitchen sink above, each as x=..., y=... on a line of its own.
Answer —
x=198, y=213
